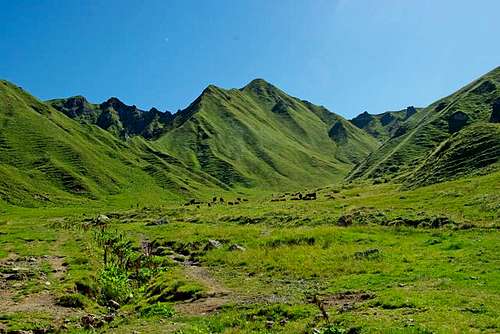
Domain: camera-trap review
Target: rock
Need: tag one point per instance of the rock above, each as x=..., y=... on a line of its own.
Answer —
x=495, y=111
x=109, y=317
x=161, y=221
x=236, y=247
x=101, y=219
x=91, y=321
x=345, y=220
x=457, y=121
x=338, y=132
x=114, y=304
x=213, y=244
x=12, y=277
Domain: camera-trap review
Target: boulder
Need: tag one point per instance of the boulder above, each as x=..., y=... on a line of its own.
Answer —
x=236, y=247
x=213, y=244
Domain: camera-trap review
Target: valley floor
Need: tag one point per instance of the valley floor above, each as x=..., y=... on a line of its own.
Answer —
x=358, y=259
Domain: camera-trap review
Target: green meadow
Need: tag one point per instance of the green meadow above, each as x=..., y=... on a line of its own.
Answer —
x=360, y=258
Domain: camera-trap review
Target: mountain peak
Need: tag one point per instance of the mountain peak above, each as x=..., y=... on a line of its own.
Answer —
x=258, y=83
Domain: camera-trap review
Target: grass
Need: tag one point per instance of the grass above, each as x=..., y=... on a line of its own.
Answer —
x=296, y=261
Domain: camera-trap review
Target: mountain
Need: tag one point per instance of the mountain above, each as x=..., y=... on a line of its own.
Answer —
x=451, y=133
x=71, y=150
x=46, y=157
x=114, y=116
x=260, y=136
x=385, y=125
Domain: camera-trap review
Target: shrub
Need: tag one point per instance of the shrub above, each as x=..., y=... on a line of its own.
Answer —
x=114, y=285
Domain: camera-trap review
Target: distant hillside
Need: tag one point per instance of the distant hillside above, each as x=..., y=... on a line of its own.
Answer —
x=423, y=139
x=45, y=157
x=114, y=116
x=386, y=125
x=260, y=136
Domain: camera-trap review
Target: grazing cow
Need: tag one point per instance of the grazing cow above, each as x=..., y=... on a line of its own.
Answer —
x=221, y=200
x=309, y=196
x=230, y=203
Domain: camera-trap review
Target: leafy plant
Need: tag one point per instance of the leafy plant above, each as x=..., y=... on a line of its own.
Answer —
x=114, y=285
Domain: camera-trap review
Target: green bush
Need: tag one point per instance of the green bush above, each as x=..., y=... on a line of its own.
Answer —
x=114, y=285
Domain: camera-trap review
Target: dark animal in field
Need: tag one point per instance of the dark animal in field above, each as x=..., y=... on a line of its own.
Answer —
x=309, y=197
x=221, y=200
x=192, y=201
x=245, y=200
x=230, y=203
x=208, y=204
x=214, y=199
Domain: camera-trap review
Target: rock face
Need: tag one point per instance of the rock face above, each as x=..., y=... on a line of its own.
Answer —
x=115, y=116
x=362, y=120
x=457, y=121
x=385, y=125
x=495, y=112
x=338, y=133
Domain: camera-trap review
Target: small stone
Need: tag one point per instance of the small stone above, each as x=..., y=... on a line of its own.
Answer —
x=114, y=304
x=213, y=244
x=236, y=247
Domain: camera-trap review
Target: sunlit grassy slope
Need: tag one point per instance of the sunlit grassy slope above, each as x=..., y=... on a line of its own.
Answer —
x=433, y=128
x=260, y=136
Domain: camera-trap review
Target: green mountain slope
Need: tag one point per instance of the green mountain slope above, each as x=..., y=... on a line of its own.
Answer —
x=424, y=132
x=386, y=125
x=260, y=136
x=48, y=157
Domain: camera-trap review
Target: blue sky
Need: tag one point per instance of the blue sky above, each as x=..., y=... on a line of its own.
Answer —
x=349, y=55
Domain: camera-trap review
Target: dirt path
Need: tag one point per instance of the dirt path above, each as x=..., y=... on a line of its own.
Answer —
x=217, y=295
x=16, y=273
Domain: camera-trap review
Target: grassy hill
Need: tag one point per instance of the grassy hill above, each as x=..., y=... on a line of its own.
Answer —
x=260, y=136
x=433, y=128
x=46, y=157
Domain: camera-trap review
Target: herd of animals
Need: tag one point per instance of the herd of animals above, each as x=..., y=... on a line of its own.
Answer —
x=298, y=196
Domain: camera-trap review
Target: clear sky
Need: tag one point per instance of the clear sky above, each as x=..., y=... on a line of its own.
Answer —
x=349, y=55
